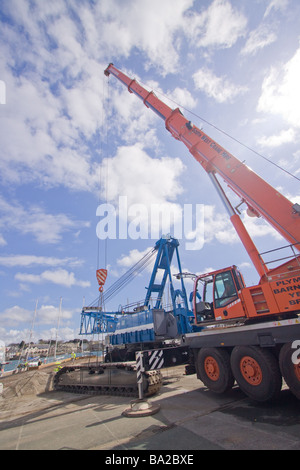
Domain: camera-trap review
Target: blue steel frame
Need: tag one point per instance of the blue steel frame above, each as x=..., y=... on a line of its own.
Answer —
x=165, y=251
x=95, y=321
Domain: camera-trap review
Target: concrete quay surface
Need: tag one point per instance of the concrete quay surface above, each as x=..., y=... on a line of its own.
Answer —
x=190, y=418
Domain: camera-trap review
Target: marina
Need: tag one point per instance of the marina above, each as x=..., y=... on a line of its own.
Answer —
x=15, y=365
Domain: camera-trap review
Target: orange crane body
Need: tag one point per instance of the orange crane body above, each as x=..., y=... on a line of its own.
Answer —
x=278, y=291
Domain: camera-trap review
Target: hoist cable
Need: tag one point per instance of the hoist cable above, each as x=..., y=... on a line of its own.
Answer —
x=100, y=146
x=129, y=275
x=136, y=269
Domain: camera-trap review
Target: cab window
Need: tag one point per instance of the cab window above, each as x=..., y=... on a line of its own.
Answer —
x=238, y=280
x=224, y=289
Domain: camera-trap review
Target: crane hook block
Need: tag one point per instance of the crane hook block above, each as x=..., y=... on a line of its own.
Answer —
x=101, y=275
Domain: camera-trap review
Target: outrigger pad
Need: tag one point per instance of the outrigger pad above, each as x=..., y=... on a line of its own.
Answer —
x=140, y=408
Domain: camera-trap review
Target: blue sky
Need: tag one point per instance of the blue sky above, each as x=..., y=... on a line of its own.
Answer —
x=73, y=140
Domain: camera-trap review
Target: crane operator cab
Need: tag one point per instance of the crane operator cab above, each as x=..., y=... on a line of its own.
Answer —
x=220, y=295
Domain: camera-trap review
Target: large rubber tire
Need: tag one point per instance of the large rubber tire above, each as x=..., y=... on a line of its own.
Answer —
x=257, y=372
x=289, y=370
x=213, y=365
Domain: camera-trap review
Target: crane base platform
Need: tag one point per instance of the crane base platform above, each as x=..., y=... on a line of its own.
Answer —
x=141, y=407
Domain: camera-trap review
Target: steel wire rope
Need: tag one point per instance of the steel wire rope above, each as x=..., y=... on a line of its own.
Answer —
x=128, y=276
x=227, y=135
x=103, y=180
x=109, y=294
x=102, y=139
x=106, y=174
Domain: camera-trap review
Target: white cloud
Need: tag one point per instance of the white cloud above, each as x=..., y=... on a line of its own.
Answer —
x=182, y=97
x=219, y=227
x=128, y=261
x=13, y=335
x=130, y=120
x=2, y=241
x=16, y=316
x=55, y=103
x=219, y=26
x=108, y=28
x=284, y=137
x=44, y=227
x=132, y=258
x=219, y=88
x=48, y=314
x=143, y=192
x=281, y=92
x=144, y=180
x=258, y=227
x=55, y=117
x=123, y=27
x=60, y=276
x=276, y=5
x=33, y=260
x=48, y=148
x=258, y=39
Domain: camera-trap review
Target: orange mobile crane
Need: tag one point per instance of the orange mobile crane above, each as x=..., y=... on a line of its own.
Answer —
x=247, y=334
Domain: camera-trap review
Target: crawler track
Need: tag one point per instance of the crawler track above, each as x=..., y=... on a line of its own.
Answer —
x=106, y=379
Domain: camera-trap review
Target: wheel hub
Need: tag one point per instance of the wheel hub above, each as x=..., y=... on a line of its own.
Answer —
x=211, y=368
x=251, y=370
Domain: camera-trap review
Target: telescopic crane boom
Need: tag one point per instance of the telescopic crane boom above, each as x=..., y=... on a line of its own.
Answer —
x=261, y=198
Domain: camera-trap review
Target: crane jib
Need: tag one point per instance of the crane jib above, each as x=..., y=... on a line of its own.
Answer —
x=260, y=197
x=155, y=110
x=147, y=104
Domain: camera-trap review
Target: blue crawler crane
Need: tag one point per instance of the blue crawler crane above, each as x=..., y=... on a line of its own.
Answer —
x=146, y=323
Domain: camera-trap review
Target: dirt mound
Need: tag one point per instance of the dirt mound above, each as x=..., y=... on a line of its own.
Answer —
x=29, y=383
